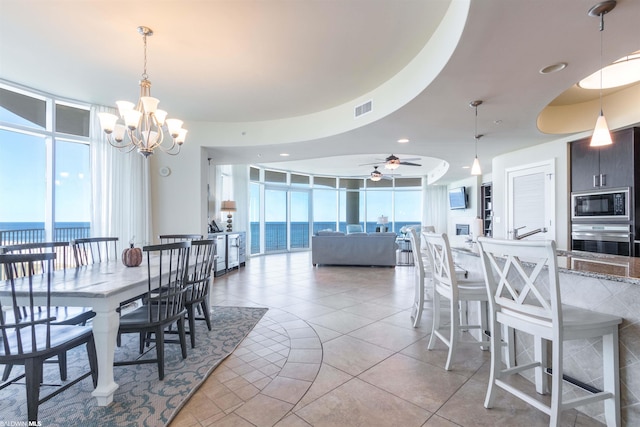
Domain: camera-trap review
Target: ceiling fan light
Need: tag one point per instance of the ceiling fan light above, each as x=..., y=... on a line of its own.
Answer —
x=601, y=135
x=392, y=165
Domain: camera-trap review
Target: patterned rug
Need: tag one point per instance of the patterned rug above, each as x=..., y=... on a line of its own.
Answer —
x=142, y=399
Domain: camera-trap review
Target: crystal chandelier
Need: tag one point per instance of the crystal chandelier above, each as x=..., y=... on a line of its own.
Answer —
x=143, y=125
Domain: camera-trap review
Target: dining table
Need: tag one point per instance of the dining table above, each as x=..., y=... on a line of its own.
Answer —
x=101, y=286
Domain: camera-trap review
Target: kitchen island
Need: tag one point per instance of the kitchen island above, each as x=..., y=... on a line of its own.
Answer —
x=599, y=282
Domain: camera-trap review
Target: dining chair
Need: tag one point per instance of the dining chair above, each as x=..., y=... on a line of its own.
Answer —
x=446, y=284
x=171, y=238
x=63, y=315
x=32, y=339
x=167, y=267
x=523, y=283
x=92, y=250
x=198, y=284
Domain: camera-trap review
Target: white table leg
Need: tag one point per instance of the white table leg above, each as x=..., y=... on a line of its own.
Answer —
x=105, y=331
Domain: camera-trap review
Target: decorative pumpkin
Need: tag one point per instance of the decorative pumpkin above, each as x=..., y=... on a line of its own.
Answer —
x=132, y=257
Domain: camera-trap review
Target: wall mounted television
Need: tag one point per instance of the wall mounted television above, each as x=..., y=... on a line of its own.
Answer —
x=458, y=198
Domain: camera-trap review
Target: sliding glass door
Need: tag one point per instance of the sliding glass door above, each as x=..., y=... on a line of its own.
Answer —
x=300, y=220
x=275, y=220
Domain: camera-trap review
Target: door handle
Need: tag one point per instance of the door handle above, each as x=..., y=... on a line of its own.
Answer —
x=603, y=180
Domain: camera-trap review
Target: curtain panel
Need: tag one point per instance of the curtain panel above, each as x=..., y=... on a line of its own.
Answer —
x=121, y=189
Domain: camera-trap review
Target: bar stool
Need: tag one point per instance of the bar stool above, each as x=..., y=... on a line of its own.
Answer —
x=447, y=285
x=518, y=300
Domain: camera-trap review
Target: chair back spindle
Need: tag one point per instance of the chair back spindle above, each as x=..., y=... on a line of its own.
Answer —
x=94, y=250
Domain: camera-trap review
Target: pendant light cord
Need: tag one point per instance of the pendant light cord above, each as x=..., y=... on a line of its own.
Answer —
x=601, y=30
x=476, y=131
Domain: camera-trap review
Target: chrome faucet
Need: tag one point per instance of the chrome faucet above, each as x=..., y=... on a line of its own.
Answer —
x=517, y=236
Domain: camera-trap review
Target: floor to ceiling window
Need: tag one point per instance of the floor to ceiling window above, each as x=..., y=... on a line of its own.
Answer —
x=286, y=208
x=300, y=219
x=45, y=180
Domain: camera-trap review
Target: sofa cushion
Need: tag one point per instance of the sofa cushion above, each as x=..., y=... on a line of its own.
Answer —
x=330, y=233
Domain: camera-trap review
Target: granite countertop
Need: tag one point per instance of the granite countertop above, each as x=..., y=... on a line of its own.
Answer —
x=590, y=264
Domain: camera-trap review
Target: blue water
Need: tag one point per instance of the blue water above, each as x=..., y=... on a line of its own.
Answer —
x=34, y=232
x=276, y=233
x=40, y=225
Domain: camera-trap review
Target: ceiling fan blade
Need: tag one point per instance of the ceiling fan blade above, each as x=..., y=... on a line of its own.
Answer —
x=375, y=163
x=411, y=159
x=409, y=164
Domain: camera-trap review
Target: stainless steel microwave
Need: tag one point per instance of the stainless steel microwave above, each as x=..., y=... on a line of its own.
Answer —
x=610, y=204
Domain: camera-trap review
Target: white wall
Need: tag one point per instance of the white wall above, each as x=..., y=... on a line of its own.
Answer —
x=179, y=200
x=557, y=150
x=464, y=216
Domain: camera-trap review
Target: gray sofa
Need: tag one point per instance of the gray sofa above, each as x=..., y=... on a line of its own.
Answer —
x=371, y=249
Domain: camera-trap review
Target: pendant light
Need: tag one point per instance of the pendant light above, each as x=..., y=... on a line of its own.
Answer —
x=475, y=168
x=601, y=134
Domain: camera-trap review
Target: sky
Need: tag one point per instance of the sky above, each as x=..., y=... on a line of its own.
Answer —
x=23, y=177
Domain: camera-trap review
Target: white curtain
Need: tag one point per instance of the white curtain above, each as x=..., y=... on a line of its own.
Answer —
x=240, y=174
x=121, y=203
x=435, y=206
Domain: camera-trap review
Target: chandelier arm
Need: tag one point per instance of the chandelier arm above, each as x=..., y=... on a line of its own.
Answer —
x=169, y=150
x=126, y=148
x=116, y=144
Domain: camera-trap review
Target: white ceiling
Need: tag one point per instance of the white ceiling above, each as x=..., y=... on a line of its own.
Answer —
x=237, y=61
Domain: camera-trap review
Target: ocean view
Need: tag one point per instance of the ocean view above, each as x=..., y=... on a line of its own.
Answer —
x=27, y=232
x=275, y=234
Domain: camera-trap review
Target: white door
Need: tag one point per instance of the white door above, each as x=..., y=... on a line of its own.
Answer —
x=531, y=200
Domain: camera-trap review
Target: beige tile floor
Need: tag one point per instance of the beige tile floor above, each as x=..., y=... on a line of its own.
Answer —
x=337, y=348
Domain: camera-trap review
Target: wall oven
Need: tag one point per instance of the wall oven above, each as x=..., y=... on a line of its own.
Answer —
x=614, y=239
x=610, y=204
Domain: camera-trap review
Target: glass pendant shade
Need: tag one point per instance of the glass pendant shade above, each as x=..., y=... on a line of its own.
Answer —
x=107, y=122
x=475, y=168
x=601, y=135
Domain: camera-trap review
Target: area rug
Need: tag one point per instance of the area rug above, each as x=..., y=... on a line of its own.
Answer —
x=141, y=399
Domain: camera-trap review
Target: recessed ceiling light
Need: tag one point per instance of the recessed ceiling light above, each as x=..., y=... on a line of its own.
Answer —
x=284, y=154
x=554, y=68
x=403, y=140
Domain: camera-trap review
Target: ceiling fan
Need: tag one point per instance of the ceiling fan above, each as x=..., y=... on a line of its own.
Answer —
x=392, y=162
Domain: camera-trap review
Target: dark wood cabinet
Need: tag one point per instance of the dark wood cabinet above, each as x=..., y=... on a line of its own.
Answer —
x=610, y=166
x=487, y=209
